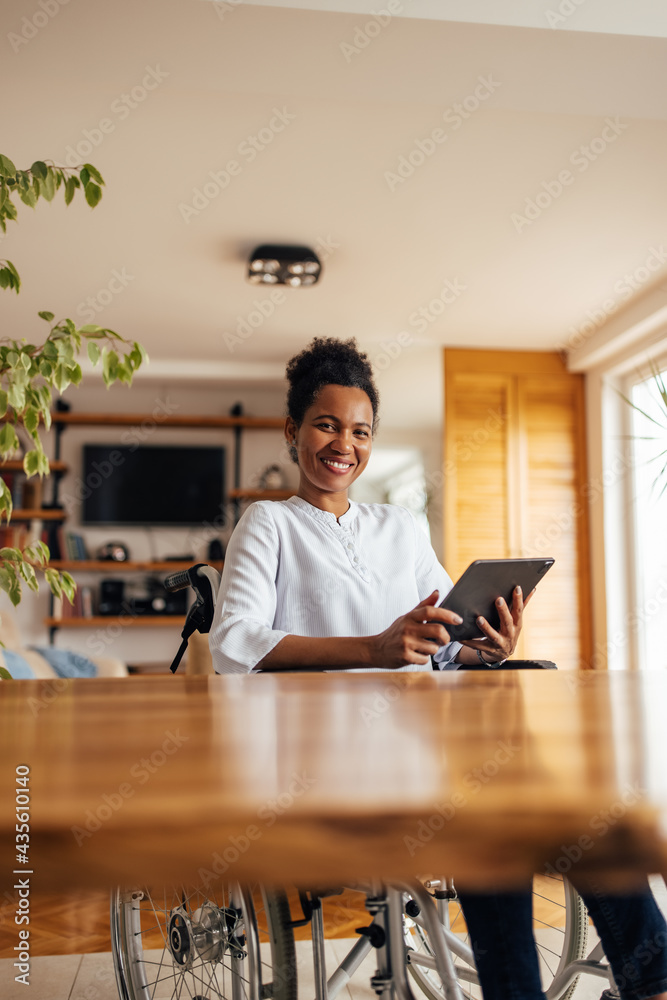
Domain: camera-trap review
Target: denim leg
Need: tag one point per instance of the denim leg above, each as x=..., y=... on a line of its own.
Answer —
x=501, y=928
x=634, y=937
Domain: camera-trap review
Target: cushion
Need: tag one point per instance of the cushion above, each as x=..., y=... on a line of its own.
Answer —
x=17, y=666
x=65, y=663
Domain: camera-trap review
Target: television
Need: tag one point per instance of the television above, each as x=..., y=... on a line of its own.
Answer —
x=141, y=485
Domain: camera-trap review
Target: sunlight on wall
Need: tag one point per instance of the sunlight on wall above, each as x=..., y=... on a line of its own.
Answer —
x=650, y=506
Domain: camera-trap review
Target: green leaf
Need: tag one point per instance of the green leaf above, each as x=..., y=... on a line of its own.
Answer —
x=84, y=174
x=28, y=574
x=28, y=197
x=31, y=462
x=16, y=395
x=91, y=329
x=75, y=374
x=37, y=552
x=69, y=586
x=48, y=316
x=39, y=169
x=7, y=168
x=50, y=351
x=60, y=379
x=93, y=172
x=3, y=402
x=8, y=440
x=109, y=367
x=93, y=194
x=6, y=505
x=31, y=419
x=93, y=351
x=70, y=188
x=9, y=276
x=48, y=186
x=10, y=583
x=52, y=577
x=124, y=373
x=11, y=554
x=5, y=674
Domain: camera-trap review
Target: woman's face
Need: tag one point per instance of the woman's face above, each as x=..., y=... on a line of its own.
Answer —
x=334, y=441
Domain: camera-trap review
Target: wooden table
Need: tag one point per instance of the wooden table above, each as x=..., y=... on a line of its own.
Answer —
x=317, y=778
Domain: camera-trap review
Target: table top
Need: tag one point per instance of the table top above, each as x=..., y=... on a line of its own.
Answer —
x=322, y=778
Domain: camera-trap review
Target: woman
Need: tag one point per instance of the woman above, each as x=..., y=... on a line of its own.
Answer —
x=320, y=581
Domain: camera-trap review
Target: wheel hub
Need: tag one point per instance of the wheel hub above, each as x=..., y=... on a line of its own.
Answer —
x=206, y=934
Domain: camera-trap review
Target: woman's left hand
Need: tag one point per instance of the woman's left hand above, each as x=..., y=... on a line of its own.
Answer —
x=499, y=645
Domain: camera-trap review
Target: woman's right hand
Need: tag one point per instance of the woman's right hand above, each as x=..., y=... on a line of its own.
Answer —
x=413, y=637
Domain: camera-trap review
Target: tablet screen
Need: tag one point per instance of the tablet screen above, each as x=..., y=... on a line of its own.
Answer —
x=485, y=580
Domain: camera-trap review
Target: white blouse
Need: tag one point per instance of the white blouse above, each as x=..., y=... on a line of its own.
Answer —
x=293, y=569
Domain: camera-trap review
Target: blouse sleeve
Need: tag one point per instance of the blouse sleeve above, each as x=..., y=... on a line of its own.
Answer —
x=242, y=633
x=432, y=576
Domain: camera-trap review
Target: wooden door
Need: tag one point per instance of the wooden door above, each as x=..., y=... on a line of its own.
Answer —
x=514, y=485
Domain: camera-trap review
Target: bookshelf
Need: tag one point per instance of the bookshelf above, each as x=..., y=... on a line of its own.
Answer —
x=238, y=422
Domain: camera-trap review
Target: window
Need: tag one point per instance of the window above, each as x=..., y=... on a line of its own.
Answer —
x=649, y=527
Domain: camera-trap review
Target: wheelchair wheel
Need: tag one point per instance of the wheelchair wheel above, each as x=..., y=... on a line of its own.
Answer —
x=181, y=943
x=560, y=926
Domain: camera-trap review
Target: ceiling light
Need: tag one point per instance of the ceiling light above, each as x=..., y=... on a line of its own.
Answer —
x=285, y=265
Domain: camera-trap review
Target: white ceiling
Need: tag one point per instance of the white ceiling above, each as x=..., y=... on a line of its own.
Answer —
x=227, y=66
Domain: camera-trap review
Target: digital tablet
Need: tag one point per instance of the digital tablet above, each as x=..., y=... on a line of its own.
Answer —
x=485, y=580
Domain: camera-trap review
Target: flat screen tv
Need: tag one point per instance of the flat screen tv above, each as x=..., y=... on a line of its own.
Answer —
x=152, y=485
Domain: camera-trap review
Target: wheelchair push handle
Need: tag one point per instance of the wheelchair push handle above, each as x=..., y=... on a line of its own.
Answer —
x=178, y=581
x=205, y=582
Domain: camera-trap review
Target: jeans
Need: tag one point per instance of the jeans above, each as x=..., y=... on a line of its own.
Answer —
x=631, y=927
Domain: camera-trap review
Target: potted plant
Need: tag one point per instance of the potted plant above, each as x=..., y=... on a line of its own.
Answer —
x=30, y=373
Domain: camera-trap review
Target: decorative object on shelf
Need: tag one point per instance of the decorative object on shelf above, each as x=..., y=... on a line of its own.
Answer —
x=273, y=264
x=113, y=552
x=272, y=478
x=32, y=494
x=216, y=550
x=112, y=595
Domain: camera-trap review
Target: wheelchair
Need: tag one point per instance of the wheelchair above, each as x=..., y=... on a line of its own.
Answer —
x=224, y=940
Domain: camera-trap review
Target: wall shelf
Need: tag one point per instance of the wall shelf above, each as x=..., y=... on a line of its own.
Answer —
x=111, y=566
x=237, y=423
x=16, y=465
x=37, y=514
x=176, y=420
x=141, y=621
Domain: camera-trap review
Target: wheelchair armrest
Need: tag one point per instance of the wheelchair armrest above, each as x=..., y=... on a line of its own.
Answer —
x=515, y=665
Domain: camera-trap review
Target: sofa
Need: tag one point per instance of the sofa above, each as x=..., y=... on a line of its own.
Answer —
x=10, y=637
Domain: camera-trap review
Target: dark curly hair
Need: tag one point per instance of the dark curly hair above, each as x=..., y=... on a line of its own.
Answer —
x=327, y=361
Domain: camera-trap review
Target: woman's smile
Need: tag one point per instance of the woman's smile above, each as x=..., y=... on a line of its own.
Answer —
x=336, y=465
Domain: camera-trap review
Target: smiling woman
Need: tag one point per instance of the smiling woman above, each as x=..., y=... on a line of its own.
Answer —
x=321, y=582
